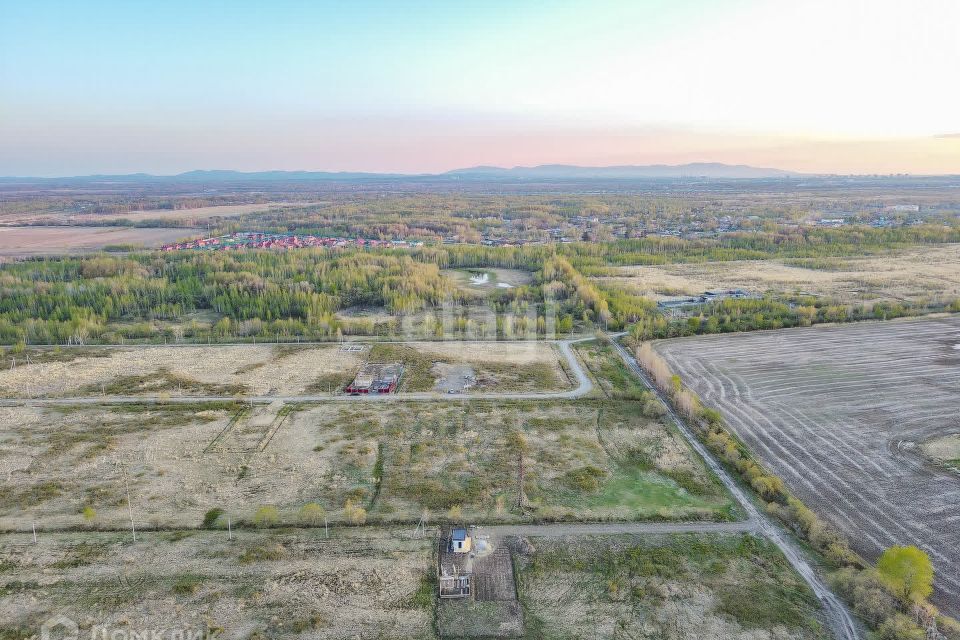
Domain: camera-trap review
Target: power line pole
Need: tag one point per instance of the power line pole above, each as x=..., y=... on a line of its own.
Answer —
x=520, y=480
x=126, y=483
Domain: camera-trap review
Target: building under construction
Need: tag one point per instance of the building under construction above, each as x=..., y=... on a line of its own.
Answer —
x=376, y=378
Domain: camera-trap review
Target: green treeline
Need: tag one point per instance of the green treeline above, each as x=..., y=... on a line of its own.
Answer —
x=253, y=293
x=244, y=294
x=806, y=242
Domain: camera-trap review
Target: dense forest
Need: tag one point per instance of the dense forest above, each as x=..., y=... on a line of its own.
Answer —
x=301, y=294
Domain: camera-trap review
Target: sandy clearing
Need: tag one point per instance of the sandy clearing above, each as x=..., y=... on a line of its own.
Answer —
x=30, y=241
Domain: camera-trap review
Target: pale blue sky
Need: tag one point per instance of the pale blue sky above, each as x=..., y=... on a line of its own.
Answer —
x=425, y=86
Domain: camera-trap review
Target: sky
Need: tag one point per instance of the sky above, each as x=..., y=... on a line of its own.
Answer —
x=822, y=86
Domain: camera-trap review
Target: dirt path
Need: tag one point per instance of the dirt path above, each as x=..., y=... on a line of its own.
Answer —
x=840, y=620
x=561, y=529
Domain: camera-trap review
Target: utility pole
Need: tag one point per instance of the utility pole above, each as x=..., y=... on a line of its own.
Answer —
x=520, y=480
x=126, y=483
x=229, y=529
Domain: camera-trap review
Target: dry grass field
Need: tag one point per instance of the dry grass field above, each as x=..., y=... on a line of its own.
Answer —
x=582, y=460
x=915, y=274
x=945, y=450
x=377, y=583
x=684, y=587
x=270, y=370
x=841, y=414
x=197, y=214
x=19, y=242
x=263, y=584
x=190, y=370
x=187, y=215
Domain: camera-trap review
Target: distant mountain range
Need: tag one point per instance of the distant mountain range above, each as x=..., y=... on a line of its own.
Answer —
x=550, y=172
x=627, y=172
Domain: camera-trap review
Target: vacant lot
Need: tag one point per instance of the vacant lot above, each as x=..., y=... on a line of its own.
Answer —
x=496, y=366
x=186, y=370
x=271, y=370
x=19, y=242
x=840, y=414
x=377, y=583
x=682, y=587
x=917, y=274
x=592, y=460
x=357, y=584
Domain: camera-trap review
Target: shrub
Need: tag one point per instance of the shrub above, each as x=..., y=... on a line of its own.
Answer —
x=867, y=595
x=89, y=513
x=312, y=513
x=262, y=553
x=355, y=514
x=455, y=514
x=266, y=516
x=187, y=585
x=900, y=627
x=586, y=478
x=210, y=517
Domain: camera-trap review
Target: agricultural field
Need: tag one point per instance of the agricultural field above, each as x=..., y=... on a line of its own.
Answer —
x=849, y=416
x=928, y=273
x=21, y=242
x=191, y=216
x=9, y=214
x=734, y=587
x=262, y=584
x=272, y=370
x=376, y=462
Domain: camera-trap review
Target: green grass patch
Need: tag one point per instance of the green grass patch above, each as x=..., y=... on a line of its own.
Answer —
x=630, y=579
